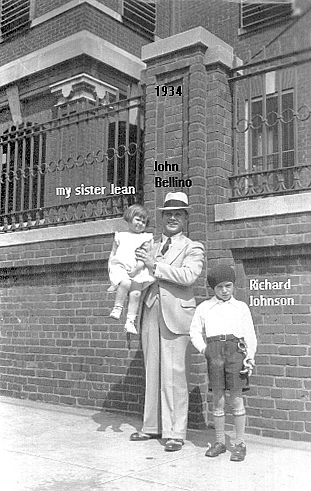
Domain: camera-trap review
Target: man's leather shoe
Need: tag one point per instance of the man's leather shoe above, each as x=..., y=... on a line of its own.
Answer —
x=216, y=450
x=238, y=453
x=173, y=444
x=140, y=436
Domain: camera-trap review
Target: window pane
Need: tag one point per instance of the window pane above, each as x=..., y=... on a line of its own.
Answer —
x=257, y=128
x=288, y=124
x=272, y=124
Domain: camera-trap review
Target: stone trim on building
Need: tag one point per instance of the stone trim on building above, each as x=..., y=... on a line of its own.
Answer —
x=81, y=43
x=64, y=232
x=263, y=207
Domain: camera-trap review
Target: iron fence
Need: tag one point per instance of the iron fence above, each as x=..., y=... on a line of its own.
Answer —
x=271, y=126
x=72, y=167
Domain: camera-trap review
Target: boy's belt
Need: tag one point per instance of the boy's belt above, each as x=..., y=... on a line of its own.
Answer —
x=223, y=337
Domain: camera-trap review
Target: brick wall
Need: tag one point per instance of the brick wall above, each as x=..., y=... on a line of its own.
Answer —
x=222, y=19
x=58, y=344
x=271, y=248
x=44, y=6
x=219, y=17
x=175, y=131
x=280, y=402
x=83, y=16
x=268, y=248
x=274, y=249
x=164, y=18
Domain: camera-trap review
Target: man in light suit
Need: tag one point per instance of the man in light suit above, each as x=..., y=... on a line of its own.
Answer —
x=168, y=308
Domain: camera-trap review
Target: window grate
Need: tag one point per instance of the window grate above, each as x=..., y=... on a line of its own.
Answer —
x=258, y=14
x=15, y=16
x=141, y=15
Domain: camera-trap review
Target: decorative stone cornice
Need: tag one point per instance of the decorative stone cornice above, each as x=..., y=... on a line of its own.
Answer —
x=82, y=86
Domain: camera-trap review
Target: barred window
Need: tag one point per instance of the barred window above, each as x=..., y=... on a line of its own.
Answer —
x=255, y=14
x=272, y=131
x=14, y=17
x=141, y=16
x=22, y=152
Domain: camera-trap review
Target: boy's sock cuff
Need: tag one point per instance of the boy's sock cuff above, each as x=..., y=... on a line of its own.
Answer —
x=239, y=412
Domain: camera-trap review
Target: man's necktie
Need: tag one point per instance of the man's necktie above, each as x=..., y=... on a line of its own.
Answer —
x=166, y=246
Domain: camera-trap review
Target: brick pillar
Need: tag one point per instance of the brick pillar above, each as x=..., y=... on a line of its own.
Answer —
x=188, y=125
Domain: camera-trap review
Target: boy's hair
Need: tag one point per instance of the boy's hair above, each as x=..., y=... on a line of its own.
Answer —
x=134, y=211
x=220, y=273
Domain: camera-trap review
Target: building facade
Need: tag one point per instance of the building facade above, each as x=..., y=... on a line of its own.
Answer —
x=92, y=93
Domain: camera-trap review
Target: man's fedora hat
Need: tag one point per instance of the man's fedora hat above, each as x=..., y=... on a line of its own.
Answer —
x=175, y=201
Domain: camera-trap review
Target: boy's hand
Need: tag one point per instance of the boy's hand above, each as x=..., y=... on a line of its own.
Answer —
x=248, y=364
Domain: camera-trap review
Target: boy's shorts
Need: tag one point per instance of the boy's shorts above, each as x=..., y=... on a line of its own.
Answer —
x=224, y=362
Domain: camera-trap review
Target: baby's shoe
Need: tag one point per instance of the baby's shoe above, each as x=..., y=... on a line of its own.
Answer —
x=116, y=312
x=130, y=326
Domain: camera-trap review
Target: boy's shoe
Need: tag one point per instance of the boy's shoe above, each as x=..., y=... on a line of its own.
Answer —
x=215, y=450
x=116, y=312
x=130, y=326
x=238, y=453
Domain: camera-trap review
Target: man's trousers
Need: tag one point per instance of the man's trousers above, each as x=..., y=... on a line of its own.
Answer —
x=166, y=396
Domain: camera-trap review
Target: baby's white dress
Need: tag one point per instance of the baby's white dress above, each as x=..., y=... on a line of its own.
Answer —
x=124, y=260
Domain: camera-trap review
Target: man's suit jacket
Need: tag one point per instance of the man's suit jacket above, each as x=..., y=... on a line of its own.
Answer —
x=176, y=274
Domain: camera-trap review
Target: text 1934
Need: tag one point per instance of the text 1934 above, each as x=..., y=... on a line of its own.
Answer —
x=168, y=90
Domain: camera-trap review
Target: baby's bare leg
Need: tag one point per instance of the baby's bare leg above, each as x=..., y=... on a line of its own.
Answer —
x=122, y=291
x=133, y=305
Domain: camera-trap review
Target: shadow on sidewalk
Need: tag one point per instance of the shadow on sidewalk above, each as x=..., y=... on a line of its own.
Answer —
x=107, y=419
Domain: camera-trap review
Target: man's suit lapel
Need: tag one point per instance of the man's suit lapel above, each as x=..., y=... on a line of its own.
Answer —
x=175, y=250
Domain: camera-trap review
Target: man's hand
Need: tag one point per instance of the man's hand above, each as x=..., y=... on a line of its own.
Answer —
x=147, y=257
x=137, y=269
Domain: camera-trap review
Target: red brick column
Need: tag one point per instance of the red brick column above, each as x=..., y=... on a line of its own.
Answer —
x=188, y=126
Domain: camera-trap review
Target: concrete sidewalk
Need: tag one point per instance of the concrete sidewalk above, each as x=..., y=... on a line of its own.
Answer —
x=55, y=448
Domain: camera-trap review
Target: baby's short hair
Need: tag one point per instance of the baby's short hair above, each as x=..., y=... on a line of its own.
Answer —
x=134, y=211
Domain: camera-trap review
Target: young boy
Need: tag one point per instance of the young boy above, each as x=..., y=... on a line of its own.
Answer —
x=222, y=329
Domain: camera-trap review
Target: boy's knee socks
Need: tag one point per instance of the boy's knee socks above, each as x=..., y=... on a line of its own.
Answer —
x=219, y=420
x=239, y=424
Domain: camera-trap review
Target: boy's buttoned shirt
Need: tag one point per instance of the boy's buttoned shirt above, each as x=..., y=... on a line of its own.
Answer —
x=214, y=317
